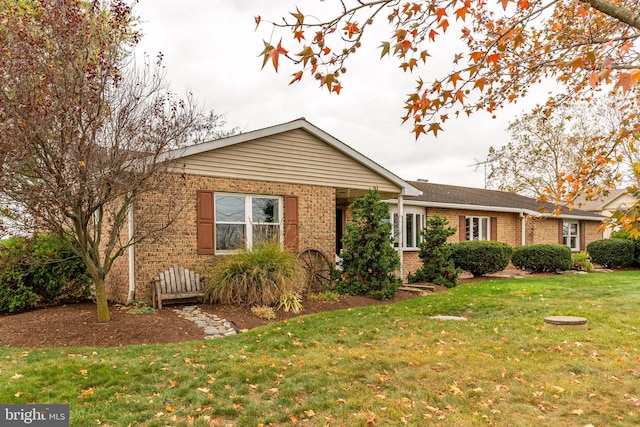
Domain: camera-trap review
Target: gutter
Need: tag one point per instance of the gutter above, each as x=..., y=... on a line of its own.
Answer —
x=497, y=209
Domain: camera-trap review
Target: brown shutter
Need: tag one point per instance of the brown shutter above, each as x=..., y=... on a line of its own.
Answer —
x=582, y=230
x=494, y=228
x=291, y=240
x=560, y=232
x=206, y=214
x=462, y=228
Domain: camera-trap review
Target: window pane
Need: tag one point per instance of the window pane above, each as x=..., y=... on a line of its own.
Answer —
x=484, y=229
x=264, y=210
x=265, y=233
x=574, y=229
x=574, y=243
x=409, y=243
x=419, y=222
x=475, y=230
x=230, y=236
x=230, y=208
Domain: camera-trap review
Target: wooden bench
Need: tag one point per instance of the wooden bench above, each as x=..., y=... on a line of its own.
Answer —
x=176, y=283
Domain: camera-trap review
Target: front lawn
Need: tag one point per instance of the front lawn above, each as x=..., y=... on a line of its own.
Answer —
x=380, y=365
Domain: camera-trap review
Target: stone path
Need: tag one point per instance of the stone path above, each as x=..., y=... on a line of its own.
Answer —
x=214, y=326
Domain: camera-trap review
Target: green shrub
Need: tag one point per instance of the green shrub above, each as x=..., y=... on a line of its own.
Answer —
x=612, y=252
x=542, y=257
x=435, y=253
x=260, y=276
x=582, y=260
x=40, y=270
x=368, y=259
x=636, y=244
x=290, y=302
x=480, y=257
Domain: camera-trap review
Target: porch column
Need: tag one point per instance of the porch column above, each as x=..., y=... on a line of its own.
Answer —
x=401, y=234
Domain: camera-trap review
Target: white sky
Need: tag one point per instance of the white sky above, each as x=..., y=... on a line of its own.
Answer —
x=211, y=49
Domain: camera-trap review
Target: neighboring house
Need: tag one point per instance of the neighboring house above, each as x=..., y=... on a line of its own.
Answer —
x=481, y=214
x=618, y=199
x=293, y=181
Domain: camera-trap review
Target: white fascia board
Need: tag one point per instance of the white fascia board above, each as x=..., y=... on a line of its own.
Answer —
x=493, y=209
x=407, y=189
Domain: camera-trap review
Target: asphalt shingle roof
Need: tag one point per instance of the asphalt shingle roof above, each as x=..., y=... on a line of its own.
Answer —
x=454, y=195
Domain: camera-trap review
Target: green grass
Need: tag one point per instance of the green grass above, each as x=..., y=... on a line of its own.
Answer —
x=386, y=365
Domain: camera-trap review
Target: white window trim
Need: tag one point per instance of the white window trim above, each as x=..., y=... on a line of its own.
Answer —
x=248, y=221
x=416, y=212
x=566, y=238
x=480, y=229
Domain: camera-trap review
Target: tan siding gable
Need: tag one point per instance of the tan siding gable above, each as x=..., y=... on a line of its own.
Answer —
x=291, y=157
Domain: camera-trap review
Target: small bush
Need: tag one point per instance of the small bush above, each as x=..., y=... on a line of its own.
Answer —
x=256, y=277
x=264, y=312
x=290, y=302
x=612, y=252
x=39, y=270
x=542, y=257
x=435, y=253
x=480, y=257
x=636, y=244
x=582, y=261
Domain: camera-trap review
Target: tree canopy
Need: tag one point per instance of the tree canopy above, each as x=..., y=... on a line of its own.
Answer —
x=84, y=131
x=499, y=51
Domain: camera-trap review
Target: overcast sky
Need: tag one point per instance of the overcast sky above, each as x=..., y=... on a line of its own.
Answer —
x=211, y=48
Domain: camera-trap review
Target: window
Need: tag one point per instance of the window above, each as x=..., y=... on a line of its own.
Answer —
x=413, y=225
x=571, y=234
x=245, y=220
x=478, y=228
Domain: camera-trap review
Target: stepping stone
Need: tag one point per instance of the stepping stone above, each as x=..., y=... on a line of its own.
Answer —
x=565, y=323
x=464, y=319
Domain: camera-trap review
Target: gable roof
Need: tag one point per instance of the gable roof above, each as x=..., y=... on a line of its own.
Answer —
x=303, y=124
x=599, y=203
x=450, y=196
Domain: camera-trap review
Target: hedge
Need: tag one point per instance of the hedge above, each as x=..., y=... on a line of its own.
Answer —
x=612, y=252
x=480, y=257
x=542, y=257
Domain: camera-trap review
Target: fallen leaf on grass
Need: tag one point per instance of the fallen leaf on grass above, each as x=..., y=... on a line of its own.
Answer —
x=85, y=393
x=203, y=389
x=16, y=376
x=577, y=412
x=169, y=408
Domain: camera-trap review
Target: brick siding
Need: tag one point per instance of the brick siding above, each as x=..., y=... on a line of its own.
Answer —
x=178, y=245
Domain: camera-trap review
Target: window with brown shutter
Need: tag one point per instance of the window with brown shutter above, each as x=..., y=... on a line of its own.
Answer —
x=291, y=234
x=494, y=228
x=582, y=235
x=560, y=232
x=462, y=228
x=205, y=219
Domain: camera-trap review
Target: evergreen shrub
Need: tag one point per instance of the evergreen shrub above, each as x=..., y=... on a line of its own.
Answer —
x=436, y=254
x=612, y=252
x=542, y=257
x=480, y=257
x=40, y=270
x=368, y=259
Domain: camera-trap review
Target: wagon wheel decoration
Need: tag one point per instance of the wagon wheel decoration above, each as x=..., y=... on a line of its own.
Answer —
x=316, y=268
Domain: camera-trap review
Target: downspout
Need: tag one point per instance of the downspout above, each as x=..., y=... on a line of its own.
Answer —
x=401, y=234
x=523, y=229
x=132, y=265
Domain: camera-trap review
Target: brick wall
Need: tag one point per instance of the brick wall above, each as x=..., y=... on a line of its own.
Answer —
x=509, y=224
x=316, y=216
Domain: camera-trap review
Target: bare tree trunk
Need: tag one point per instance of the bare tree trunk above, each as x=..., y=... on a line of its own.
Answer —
x=101, y=301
